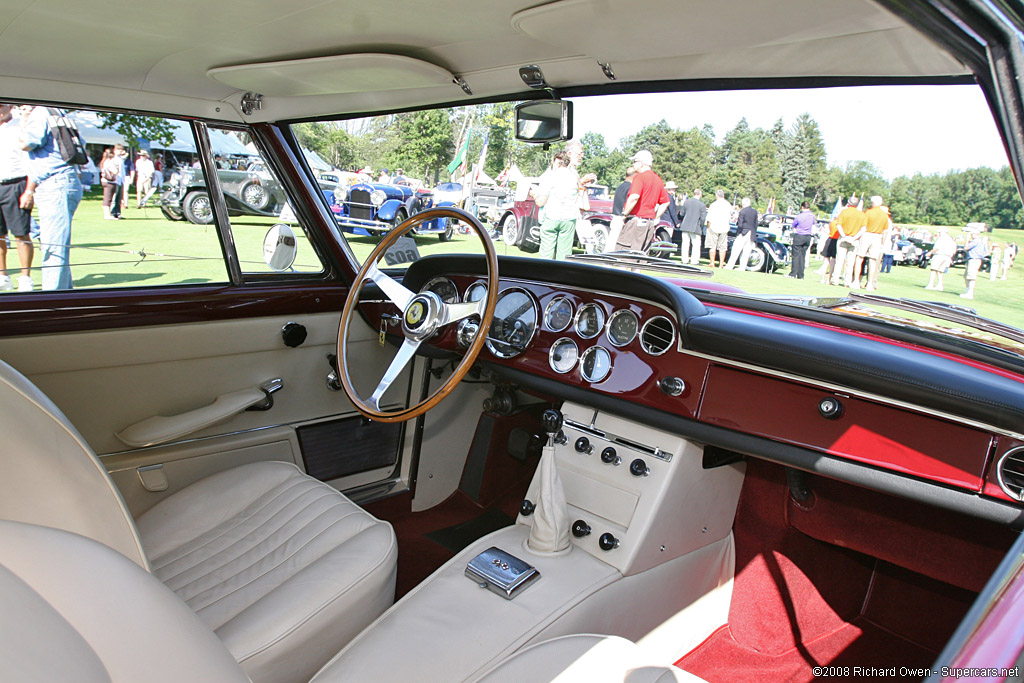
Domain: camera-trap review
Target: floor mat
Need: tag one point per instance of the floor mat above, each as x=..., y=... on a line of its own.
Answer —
x=457, y=537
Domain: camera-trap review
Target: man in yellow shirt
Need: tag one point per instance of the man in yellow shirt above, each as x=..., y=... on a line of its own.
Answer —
x=852, y=224
x=870, y=244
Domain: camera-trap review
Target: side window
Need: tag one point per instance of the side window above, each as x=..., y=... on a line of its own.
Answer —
x=256, y=201
x=101, y=213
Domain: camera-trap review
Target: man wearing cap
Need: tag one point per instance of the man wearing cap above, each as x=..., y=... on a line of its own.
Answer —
x=692, y=215
x=646, y=202
x=851, y=224
x=144, y=185
x=870, y=245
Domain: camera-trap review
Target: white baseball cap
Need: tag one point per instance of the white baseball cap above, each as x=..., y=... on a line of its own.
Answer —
x=644, y=157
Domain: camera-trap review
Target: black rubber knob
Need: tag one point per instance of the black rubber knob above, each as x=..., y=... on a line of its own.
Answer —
x=607, y=542
x=583, y=445
x=580, y=528
x=830, y=408
x=526, y=508
x=673, y=386
x=293, y=334
x=609, y=456
x=638, y=468
x=552, y=421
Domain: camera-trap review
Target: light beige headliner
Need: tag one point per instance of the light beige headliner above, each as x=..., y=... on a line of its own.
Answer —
x=156, y=54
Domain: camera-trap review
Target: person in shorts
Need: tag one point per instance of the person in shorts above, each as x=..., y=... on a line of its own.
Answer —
x=869, y=246
x=940, y=258
x=977, y=250
x=15, y=221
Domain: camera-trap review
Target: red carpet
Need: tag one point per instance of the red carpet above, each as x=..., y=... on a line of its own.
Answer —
x=799, y=602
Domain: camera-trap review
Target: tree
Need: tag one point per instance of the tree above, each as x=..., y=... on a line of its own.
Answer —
x=424, y=143
x=329, y=140
x=134, y=128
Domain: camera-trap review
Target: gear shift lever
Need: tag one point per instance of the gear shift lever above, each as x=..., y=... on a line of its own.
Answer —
x=550, y=532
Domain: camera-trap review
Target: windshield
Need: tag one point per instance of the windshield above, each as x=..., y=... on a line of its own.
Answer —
x=792, y=195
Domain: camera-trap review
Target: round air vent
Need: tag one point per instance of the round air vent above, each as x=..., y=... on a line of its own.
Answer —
x=657, y=335
x=1010, y=471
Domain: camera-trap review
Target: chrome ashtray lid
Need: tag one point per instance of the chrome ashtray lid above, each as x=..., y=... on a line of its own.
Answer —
x=501, y=572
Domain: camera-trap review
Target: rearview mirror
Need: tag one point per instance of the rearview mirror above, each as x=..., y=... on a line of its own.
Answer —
x=279, y=248
x=544, y=121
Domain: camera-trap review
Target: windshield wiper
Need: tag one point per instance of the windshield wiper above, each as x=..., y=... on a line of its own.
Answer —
x=639, y=261
x=942, y=311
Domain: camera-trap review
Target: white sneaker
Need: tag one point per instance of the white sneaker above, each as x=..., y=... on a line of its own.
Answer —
x=966, y=295
x=25, y=284
x=5, y=283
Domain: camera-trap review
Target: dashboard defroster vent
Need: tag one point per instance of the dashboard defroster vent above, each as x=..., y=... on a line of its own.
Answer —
x=657, y=335
x=1010, y=471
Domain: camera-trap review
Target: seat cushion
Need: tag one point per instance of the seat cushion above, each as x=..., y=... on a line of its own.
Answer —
x=284, y=568
x=73, y=609
x=584, y=658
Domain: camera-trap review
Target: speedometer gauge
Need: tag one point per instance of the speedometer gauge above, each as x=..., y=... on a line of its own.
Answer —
x=515, y=322
x=558, y=314
x=589, y=321
x=622, y=327
x=595, y=364
x=444, y=288
x=563, y=355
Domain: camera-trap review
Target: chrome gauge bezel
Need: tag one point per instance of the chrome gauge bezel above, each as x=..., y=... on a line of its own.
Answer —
x=672, y=341
x=611, y=320
x=441, y=278
x=465, y=295
x=536, y=307
x=601, y=320
x=547, y=311
x=582, y=363
x=551, y=355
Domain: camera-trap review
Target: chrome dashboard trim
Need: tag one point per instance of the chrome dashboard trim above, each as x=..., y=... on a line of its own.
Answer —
x=533, y=334
x=572, y=313
x=600, y=327
x=608, y=327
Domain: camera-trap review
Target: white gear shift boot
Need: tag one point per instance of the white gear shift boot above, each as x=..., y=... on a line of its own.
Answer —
x=550, y=532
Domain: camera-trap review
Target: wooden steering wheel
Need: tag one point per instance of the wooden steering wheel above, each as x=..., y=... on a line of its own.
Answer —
x=423, y=314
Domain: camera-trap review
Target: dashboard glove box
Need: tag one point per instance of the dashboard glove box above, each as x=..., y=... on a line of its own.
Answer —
x=501, y=572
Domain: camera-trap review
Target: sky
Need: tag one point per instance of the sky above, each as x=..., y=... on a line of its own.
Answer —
x=900, y=129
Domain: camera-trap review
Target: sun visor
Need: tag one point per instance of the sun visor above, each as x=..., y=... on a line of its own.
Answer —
x=366, y=72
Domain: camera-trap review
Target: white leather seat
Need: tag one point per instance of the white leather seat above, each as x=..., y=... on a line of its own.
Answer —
x=283, y=567
x=584, y=658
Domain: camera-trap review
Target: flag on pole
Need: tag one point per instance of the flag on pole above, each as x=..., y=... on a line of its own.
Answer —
x=837, y=208
x=483, y=157
x=771, y=206
x=460, y=158
x=860, y=204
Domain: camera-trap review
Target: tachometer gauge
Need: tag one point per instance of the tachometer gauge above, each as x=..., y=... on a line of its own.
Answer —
x=558, y=314
x=563, y=355
x=622, y=327
x=589, y=321
x=444, y=288
x=515, y=322
x=476, y=292
x=595, y=364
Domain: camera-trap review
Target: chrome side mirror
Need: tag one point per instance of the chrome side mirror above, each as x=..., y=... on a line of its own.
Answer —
x=280, y=248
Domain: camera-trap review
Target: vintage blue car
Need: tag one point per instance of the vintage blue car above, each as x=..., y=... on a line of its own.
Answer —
x=376, y=208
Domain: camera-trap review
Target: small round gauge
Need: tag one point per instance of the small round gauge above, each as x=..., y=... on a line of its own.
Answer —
x=589, y=321
x=563, y=355
x=595, y=364
x=558, y=314
x=444, y=288
x=622, y=327
x=476, y=292
x=515, y=322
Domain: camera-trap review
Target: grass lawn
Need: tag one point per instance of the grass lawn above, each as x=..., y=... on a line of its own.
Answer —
x=146, y=249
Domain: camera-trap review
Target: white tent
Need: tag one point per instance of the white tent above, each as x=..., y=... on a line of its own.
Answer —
x=221, y=142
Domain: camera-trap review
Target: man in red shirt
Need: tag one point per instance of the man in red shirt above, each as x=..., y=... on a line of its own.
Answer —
x=647, y=200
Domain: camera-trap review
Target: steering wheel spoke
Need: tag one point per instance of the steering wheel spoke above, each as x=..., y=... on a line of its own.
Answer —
x=454, y=312
x=398, y=363
x=391, y=287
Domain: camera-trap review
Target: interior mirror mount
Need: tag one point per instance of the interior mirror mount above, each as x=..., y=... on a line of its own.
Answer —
x=544, y=121
x=280, y=248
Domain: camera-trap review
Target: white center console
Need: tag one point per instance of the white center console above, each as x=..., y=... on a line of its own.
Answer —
x=665, y=562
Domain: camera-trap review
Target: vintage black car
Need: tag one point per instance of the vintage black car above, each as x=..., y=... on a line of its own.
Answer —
x=252, y=192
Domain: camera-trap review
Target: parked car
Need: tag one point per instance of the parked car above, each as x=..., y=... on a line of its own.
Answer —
x=767, y=255
x=377, y=208
x=254, y=192
x=290, y=455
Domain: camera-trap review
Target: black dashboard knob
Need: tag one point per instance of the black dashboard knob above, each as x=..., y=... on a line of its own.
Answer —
x=638, y=468
x=830, y=408
x=607, y=542
x=580, y=528
x=673, y=386
x=583, y=445
x=526, y=508
x=552, y=421
x=293, y=334
x=610, y=457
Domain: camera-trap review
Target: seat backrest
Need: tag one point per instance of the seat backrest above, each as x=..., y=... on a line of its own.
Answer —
x=72, y=609
x=50, y=476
